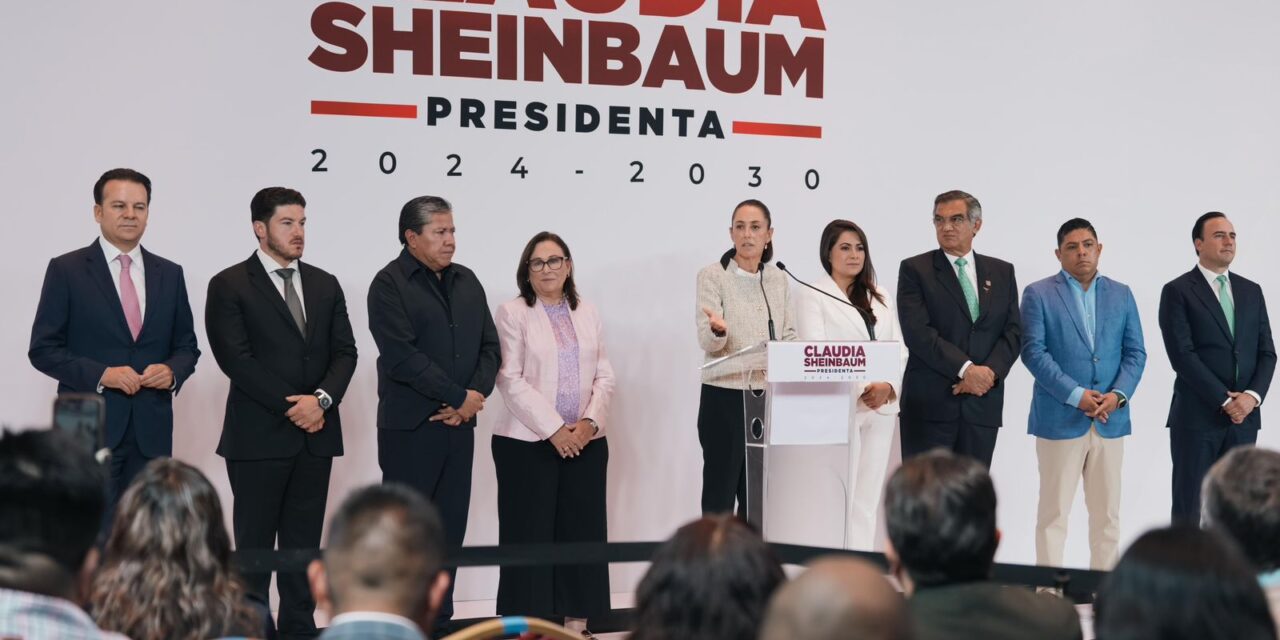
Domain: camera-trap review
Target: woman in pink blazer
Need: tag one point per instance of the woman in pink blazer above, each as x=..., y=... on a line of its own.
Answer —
x=549, y=447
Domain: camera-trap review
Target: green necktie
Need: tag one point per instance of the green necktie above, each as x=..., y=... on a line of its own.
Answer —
x=1228, y=307
x=970, y=296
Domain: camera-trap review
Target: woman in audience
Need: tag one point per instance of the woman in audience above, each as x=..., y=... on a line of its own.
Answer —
x=549, y=448
x=1182, y=583
x=712, y=579
x=848, y=304
x=166, y=572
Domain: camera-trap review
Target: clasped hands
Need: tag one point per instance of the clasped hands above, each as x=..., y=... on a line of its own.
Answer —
x=570, y=439
x=977, y=381
x=1240, y=406
x=306, y=413
x=472, y=405
x=1098, y=405
x=128, y=381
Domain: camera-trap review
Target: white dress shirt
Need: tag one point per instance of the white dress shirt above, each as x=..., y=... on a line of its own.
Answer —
x=1212, y=279
x=271, y=266
x=971, y=272
x=137, y=272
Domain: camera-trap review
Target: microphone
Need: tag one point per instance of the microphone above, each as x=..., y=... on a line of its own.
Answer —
x=772, y=336
x=866, y=317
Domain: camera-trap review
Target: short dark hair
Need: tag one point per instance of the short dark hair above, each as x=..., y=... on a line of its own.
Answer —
x=1197, y=231
x=128, y=175
x=940, y=511
x=863, y=289
x=1075, y=224
x=712, y=579
x=385, y=540
x=265, y=201
x=767, y=255
x=522, y=270
x=416, y=213
x=972, y=208
x=1241, y=497
x=52, y=497
x=1180, y=583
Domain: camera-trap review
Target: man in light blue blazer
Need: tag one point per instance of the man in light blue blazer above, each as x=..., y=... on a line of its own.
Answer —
x=1082, y=341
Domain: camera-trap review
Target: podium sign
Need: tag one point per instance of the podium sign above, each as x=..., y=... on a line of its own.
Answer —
x=833, y=361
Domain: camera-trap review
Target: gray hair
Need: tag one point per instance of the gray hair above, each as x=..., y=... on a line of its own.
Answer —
x=416, y=213
x=972, y=208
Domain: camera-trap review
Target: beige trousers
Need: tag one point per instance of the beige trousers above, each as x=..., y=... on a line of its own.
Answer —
x=1062, y=464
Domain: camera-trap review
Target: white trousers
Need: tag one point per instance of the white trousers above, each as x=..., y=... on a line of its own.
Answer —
x=870, y=443
x=1062, y=465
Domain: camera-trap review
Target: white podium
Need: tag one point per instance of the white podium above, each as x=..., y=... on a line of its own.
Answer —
x=796, y=425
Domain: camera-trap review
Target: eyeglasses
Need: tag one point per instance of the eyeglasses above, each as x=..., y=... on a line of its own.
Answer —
x=537, y=264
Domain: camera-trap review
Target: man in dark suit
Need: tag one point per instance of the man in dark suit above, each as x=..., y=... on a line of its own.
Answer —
x=381, y=577
x=1218, y=338
x=114, y=319
x=940, y=512
x=959, y=315
x=279, y=329
x=438, y=357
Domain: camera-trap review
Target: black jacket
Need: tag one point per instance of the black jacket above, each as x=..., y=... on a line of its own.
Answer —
x=256, y=343
x=430, y=351
x=941, y=336
x=1208, y=360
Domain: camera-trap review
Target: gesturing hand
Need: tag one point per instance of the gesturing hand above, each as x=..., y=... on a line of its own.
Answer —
x=718, y=326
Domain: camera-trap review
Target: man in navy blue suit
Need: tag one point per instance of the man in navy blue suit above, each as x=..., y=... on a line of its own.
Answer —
x=1082, y=341
x=114, y=319
x=1218, y=338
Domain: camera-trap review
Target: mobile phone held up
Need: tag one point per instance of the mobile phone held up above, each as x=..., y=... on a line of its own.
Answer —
x=84, y=416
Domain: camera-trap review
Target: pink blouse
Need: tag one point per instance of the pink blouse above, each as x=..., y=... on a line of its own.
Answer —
x=530, y=370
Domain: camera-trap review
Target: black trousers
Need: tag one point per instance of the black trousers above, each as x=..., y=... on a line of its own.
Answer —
x=1193, y=452
x=976, y=441
x=724, y=449
x=281, y=499
x=544, y=498
x=127, y=461
x=435, y=460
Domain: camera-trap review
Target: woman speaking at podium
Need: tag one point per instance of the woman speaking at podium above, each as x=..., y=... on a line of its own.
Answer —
x=849, y=305
x=742, y=300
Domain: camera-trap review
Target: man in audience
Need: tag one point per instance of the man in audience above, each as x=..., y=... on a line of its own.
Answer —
x=52, y=496
x=940, y=510
x=1242, y=498
x=837, y=599
x=381, y=576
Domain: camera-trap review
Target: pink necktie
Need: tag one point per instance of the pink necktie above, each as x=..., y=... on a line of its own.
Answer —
x=129, y=297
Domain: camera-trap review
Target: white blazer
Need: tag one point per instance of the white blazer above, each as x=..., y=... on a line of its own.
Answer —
x=821, y=318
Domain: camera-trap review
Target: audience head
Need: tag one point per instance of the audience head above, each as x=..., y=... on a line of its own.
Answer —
x=1182, y=583
x=940, y=510
x=166, y=570
x=837, y=599
x=957, y=218
x=385, y=554
x=427, y=231
x=712, y=579
x=52, y=496
x=1241, y=497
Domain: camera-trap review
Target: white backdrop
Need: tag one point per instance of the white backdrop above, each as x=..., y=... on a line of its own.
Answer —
x=1137, y=115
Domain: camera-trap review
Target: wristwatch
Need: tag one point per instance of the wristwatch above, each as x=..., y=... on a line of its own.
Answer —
x=325, y=400
x=1122, y=400
x=594, y=425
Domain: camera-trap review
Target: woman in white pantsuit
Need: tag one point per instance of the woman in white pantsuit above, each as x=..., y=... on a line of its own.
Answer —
x=869, y=315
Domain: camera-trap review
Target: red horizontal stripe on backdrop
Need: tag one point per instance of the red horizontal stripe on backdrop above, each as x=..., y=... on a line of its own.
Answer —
x=368, y=109
x=776, y=129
